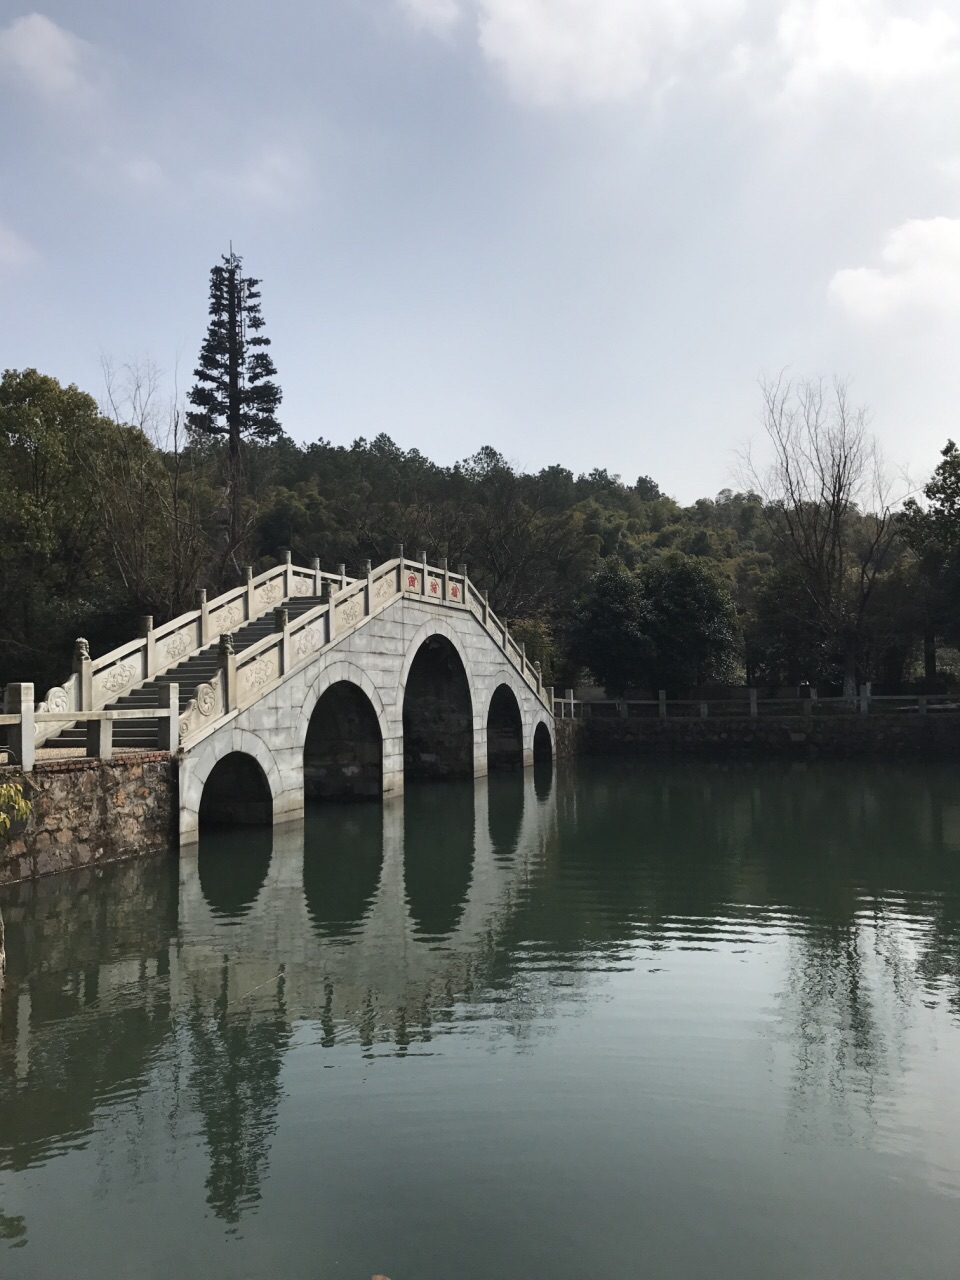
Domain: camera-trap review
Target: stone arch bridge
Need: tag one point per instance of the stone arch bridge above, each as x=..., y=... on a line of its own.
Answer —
x=302, y=683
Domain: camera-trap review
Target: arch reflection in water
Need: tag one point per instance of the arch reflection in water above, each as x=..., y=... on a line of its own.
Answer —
x=232, y=866
x=342, y=860
x=505, y=813
x=438, y=848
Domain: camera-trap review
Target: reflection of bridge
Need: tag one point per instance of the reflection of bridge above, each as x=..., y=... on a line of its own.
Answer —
x=354, y=906
x=302, y=683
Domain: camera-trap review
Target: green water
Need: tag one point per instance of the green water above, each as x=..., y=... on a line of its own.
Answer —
x=621, y=1021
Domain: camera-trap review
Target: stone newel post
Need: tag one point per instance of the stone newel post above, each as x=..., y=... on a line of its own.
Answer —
x=82, y=669
x=228, y=671
x=22, y=734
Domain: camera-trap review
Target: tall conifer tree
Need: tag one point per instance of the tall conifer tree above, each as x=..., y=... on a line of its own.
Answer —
x=235, y=393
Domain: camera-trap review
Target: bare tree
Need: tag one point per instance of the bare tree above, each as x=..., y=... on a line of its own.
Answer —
x=827, y=501
x=150, y=497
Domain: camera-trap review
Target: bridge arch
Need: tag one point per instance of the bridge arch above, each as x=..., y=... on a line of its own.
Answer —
x=343, y=747
x=504, y=730
x=437, y=706
x=236, y=793
x=223, y=749
x=542, y=743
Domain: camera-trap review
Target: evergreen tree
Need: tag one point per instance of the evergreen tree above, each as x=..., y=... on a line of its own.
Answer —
x=235, y=393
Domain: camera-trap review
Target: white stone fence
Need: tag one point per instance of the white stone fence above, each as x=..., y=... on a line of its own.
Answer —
x=24, y=724
x=752, y=706
x=98, y=681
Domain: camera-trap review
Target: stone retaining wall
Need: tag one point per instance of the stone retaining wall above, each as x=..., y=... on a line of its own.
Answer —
x=86, y=812
x=853, y=736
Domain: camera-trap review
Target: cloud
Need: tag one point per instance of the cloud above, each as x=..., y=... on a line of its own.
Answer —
x=920, y=272
x=558, y=51
x=555, y=51
x=865, y=40
x=15, y=252
x=49, y=60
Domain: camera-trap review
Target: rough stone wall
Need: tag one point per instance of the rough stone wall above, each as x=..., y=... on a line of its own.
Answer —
x=887, y=737
x=86, y=812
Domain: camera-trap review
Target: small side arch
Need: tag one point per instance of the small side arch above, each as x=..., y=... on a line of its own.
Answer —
x=542, y=744
x=504, y=730
x=236, y=792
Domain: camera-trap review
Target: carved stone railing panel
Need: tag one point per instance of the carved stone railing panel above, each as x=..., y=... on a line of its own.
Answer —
x=384, y=589
x=308, y=639
x=228, y=617
x=262, y=669
x=112, y=681
x=60, y=699
x=349, y=610
x=203, y=709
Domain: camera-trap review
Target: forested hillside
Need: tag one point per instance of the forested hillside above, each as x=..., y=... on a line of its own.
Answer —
x=105, y=517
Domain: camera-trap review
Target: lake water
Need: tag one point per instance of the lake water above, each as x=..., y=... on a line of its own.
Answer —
x=642, y=1021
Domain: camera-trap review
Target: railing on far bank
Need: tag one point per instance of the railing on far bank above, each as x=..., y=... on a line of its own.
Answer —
x=753, y=706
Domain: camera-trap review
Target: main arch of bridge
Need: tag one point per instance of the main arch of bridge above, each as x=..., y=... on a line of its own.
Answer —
x=367, y=679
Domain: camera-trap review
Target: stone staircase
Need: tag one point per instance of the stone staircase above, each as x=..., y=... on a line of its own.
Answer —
x=198, y=669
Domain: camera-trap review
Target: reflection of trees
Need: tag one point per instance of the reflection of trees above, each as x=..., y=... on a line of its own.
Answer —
x=438, y=854
x=237, y=1060
x=81, y=948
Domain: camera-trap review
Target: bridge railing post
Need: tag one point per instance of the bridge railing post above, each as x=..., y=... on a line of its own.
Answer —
x=281, y=623
x=228, y=671
x=342, y=570
x=317, y=578
x=100, y=739
x=465, y=586
x=423, y=573
x=251, y=599
x=486, y=607
x=168, y=726
x=287, y=574
x=204, y=617
x=83, y=670
x=367, y=570
x=445, y=571
x=328, y=596
x=146, y=628
x=19, y=700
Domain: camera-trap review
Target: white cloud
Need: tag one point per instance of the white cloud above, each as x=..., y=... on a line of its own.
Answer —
x=866, y=40
x=920, y=272
x=15, y=252
x=52, y=61
x=556, y=51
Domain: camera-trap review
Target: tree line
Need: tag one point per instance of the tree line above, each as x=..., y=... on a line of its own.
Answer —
x=112, y=511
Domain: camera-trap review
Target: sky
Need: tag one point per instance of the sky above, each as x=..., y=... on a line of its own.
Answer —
x=581, y=231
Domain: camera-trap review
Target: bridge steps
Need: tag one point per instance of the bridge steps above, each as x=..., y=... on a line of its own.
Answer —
x=198, y=669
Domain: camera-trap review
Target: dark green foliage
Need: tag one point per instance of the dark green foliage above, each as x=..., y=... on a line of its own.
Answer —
x=692, y=625
x=612, y=630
